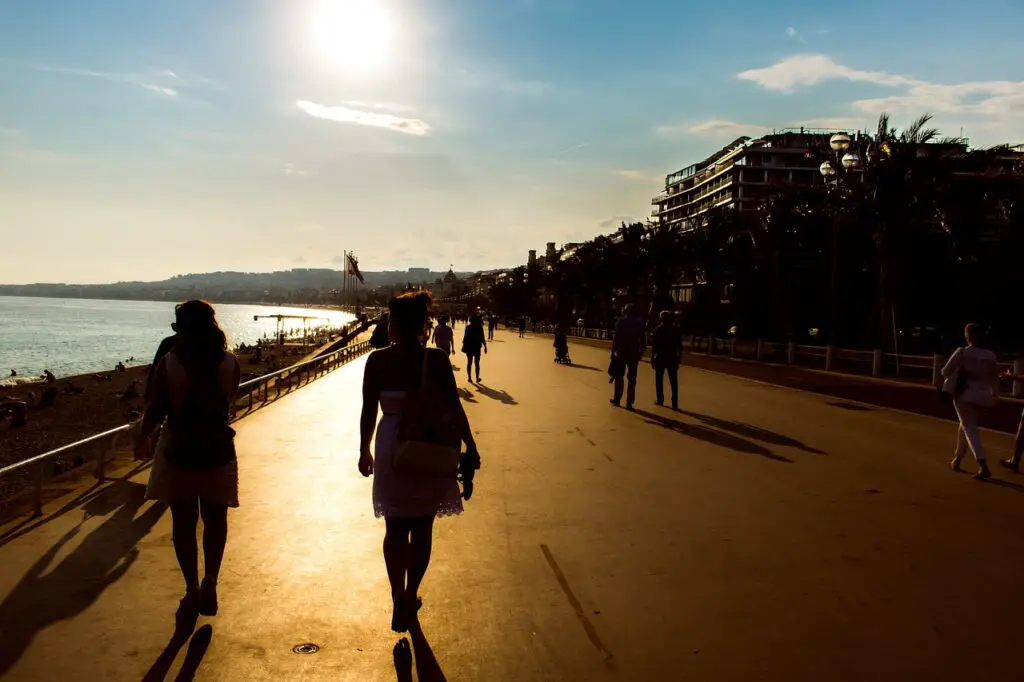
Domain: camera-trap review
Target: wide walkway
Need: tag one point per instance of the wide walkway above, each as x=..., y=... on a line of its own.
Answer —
x=758, y=534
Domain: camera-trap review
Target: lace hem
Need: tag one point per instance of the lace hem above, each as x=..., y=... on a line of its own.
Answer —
x=449, y=509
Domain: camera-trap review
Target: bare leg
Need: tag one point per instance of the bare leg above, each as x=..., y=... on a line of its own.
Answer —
x=184, y=522
x=396, y=554
x=419, y=559
x=215, y=538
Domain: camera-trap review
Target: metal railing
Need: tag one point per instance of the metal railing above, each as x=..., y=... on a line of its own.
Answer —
x=269, y=386
x=922, y=369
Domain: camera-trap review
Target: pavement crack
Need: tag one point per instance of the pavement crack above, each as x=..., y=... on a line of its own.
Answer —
x=588, y=627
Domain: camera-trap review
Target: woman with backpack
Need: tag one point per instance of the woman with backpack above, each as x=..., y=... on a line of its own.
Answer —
x=194, y=468
x=420, y=434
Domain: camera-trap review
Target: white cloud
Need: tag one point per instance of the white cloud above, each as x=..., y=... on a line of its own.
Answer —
x=811, y=69
x=291, y=170
x=393, y=107
x=791, y=32
x=993, y=106
x=344, y=114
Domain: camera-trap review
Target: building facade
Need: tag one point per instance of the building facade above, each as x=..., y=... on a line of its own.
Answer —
x=740, y=175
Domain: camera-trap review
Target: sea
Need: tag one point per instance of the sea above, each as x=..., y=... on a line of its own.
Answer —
x=78, y=336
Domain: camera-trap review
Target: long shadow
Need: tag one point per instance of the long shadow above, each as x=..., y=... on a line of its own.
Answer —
x=83, y=498
x=752, y=432
x=184, y=625
x=501, y=396
x=586, y=367
x=70, y=587
x=466, y=395
x=427, y=667
x=194, y=656
x=719, y=438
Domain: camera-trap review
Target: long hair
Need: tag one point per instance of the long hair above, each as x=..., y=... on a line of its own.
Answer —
x=409, y=315
x=201, y=343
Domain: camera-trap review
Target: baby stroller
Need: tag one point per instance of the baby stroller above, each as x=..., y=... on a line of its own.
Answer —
x=562, y=349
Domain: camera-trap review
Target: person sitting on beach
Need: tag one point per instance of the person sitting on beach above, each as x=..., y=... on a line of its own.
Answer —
x=14, y=372
x=119, y=367
x=50, y=378
x=195, y=469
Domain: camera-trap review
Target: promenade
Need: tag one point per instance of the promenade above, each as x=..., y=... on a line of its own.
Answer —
x=760, y=533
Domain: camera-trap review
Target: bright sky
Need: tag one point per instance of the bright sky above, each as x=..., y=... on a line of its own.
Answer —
x=144, y=139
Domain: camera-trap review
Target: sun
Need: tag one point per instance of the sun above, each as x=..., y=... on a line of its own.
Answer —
x=355, y=35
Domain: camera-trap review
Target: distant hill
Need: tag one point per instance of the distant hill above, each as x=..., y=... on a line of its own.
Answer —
x=300, y=285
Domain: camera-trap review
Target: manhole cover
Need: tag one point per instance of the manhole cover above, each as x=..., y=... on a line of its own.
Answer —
x=307, y=648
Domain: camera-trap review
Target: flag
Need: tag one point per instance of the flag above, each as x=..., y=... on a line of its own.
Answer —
x=353, y=268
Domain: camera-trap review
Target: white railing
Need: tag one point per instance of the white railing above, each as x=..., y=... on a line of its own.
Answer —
x=250, y=394
x=874, y=363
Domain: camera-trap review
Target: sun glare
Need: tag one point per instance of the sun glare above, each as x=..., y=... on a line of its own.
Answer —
x=355, y=35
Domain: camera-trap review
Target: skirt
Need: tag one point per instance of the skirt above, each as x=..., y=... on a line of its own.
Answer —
x=168, y=483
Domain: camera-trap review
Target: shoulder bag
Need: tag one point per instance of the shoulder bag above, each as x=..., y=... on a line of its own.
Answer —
x=428, y=437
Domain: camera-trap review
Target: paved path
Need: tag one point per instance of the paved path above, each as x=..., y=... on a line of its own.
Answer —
x=760, y=534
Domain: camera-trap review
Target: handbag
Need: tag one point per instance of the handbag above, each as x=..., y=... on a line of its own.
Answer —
x=428, y=443
x=954, y=385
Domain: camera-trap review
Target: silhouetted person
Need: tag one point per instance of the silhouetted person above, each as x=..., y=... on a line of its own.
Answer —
x=396, y=378
x=628, y=347
x=473, y=342
x=522, y=327
x=195, y=470
x=980, y=387
x=444, y=337
x=666, y=353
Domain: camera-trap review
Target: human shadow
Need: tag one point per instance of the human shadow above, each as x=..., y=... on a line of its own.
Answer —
x=41, y=598
x=30, y=523
x=427, y=667
x=752, y=432
x=184, y=625
x=197, y=648
x=708, y=435
x=466, y=395
x=501, y=396
x=586, y=367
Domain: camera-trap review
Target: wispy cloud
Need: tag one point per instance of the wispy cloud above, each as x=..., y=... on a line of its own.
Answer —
x=638, y=175
x=712, y=127
x=573, y=148
x=374, y=119
x=794, y=34
x=393, y=107
x=145, y=82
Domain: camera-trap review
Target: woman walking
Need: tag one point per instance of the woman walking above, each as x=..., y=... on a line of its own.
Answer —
x=409, y=502
x=473, y=342
x=194, y=470
x=972, y=378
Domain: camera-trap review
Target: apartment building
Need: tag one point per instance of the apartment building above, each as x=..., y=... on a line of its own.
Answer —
x=740, y=174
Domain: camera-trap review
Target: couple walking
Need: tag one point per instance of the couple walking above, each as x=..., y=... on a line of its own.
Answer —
x=473, y=342
x=195, y=469
x=628, y=346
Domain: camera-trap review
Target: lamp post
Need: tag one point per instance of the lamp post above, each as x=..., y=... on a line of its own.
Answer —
x=838, y=170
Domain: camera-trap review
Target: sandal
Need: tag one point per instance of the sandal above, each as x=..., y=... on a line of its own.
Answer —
x=208, y=598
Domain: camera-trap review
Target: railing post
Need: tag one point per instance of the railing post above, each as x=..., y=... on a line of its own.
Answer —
x=711, y=345
x=732, y=347
x=1018, y=385
x=791, y=355
x=759, y=352
x=37, y=501
x=937, y=369
x=830, y=357
x=876, y=362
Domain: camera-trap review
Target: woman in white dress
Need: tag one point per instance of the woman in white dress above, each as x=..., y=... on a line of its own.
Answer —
x=408, y=502
x=980, y=389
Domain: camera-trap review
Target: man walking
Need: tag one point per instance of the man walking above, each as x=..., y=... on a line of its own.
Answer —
x=666, y=352
x=444, y=337
x=628, y=347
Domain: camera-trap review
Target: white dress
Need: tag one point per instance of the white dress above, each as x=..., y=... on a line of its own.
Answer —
x=399, y=496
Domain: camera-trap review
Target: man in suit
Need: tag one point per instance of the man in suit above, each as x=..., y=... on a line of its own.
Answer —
x=628, y=345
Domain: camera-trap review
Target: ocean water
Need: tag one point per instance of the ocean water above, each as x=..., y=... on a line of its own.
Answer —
x=75, y=336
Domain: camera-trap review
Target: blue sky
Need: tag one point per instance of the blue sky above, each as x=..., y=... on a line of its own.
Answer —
x=144, y=139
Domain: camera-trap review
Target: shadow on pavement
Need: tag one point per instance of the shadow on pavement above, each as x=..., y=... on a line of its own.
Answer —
x=30, y=523
x=501, y=396
x=586, y=367
x=427, y=667
x=70, y=587
x=752, y=432
x=719, y=438
x=184, y=625
x=194, y=656
x=466, y=395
